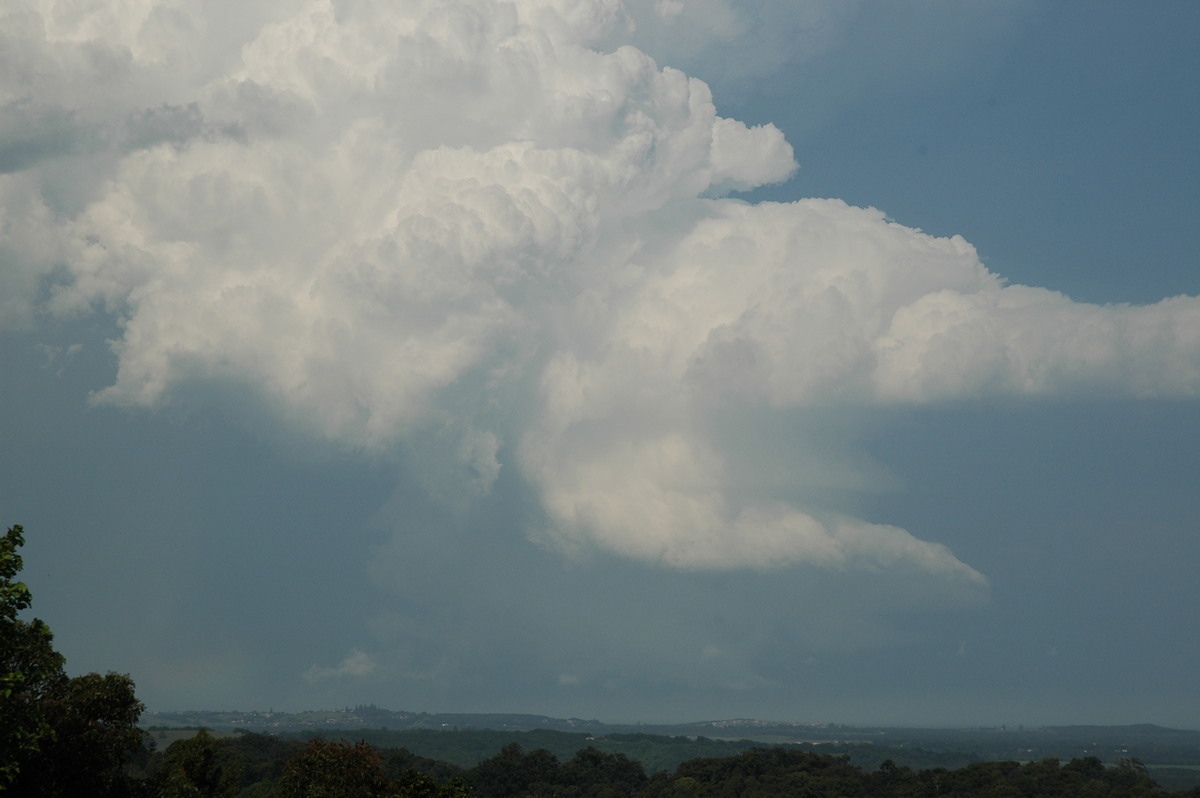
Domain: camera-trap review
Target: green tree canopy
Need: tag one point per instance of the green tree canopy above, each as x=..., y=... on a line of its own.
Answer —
x=195, y=766
x=59, y=736
x=326, y=769
x=31, y=668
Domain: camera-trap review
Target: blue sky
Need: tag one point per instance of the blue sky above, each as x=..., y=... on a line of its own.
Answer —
x=473, y=358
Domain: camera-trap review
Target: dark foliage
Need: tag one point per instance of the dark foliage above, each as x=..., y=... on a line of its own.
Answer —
x=513, y=773
x=326, y=769
x=59, y=736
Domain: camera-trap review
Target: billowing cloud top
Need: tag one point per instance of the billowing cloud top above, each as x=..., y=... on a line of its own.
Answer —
x=498, y=222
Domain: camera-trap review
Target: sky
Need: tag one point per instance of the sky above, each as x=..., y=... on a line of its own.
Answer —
x=639, y=361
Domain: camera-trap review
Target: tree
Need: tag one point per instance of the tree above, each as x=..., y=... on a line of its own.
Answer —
x=594, y=772
x=512, y=773
x=94, y=733
x=195, y=767
x=326, y=769
x=59, y=736
x=30, y=665
x=415, y=784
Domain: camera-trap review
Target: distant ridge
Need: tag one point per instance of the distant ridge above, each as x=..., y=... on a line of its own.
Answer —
x=364, y=716
x=1163, y=749
x=370, y=716
x=1139, y=728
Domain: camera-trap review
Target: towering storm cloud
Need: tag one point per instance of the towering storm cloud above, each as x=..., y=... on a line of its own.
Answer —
x=503, y=228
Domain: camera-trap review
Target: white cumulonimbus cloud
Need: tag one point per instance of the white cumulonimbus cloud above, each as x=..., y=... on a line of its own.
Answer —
x=495, y=219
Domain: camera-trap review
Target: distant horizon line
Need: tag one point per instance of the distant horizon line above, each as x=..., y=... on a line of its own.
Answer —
x=653, y=723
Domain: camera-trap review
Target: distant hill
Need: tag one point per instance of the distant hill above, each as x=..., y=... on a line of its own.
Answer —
x=364, y=717
x=372, y=717
x=467, y=738
x=1150, y=743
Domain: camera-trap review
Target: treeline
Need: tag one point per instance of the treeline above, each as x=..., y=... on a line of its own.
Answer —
x=252, y=765
x=655, y=752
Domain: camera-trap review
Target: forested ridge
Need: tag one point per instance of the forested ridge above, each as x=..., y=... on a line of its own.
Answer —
x=253, y=765
x=78, y=736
